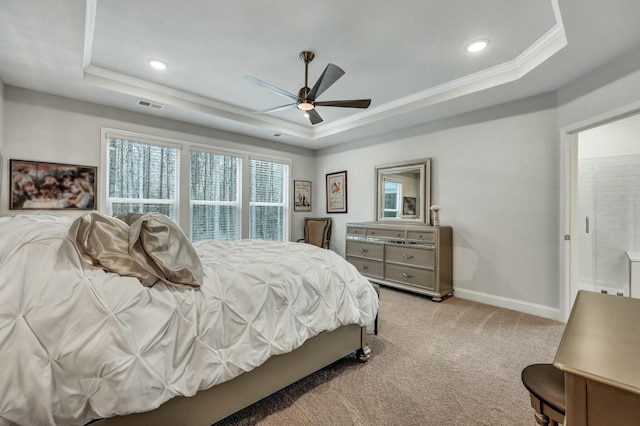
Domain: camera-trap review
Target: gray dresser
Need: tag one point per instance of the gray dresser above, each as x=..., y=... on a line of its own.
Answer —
x=413, y=257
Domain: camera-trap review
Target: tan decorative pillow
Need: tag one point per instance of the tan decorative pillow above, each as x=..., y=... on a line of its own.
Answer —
x=153, y=248
x=103, y=241
x=129, y=218
x=157, y=241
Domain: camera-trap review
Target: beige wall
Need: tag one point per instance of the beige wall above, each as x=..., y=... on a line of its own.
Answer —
x=495, y=175
x=3, y=158
x=1, y=116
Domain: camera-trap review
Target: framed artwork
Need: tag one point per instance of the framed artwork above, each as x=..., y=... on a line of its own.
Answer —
x=301, y=196
x=337, y=192
x=51, y=186
x=408, y=206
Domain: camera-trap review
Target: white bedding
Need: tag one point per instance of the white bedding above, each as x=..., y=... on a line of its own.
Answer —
x=78, y=343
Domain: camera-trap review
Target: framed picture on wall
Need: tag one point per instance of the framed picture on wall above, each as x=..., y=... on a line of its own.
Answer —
x=301, y=196
x=337, y=192
x=51, y=186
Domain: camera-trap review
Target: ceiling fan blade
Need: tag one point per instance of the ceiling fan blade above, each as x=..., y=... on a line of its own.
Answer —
x=314, y=117
x=330, y=75
x=278, y=108
x=271, y=88
x=354, y=103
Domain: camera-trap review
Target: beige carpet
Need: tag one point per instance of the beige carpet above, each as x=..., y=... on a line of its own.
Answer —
x=452, y=363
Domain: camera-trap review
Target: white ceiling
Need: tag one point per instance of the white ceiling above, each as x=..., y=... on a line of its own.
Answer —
x=407, y=56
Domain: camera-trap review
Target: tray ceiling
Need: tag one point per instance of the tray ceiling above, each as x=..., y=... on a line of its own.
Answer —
x=409, y=58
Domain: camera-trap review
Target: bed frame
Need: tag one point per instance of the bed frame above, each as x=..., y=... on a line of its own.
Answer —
x=214, y=404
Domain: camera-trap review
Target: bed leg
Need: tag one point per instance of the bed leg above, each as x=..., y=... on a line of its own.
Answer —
x=364, y=353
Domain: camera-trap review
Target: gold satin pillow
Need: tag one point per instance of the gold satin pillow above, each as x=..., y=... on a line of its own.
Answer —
x=156, y=239
x=152, y=248
x=103, y=241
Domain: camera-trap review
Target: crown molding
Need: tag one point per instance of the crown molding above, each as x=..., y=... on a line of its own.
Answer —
x=534, y=55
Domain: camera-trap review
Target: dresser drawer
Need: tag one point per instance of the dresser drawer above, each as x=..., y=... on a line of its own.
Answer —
x=372, y=268
x=408, y=275
x=368, y=250
x=385, y=233
x=409, y=255
x=427, y=236
x=355, y=231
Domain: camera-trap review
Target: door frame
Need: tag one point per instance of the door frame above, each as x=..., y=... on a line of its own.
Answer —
x=569, y=196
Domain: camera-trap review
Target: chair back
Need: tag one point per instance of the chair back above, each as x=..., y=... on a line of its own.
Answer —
x=317, y=231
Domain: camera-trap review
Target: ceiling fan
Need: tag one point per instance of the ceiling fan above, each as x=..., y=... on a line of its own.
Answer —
x=306, y=99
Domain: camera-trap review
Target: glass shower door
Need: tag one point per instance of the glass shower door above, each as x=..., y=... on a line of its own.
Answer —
x=608, y=207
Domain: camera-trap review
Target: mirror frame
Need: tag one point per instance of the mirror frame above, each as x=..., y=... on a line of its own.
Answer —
x=423, y=166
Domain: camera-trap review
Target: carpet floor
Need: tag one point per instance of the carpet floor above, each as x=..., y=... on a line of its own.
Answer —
x=454, y=363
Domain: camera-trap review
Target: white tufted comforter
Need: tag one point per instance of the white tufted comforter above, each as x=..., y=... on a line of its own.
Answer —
x=78, y=343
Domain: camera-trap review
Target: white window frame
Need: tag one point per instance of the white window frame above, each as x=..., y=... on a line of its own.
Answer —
x=398, y=209
x=133, y=137
x=238, y=203
x=184, y=194
x=285, y=202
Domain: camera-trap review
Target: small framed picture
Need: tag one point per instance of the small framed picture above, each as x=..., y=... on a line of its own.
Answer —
x=51, y=186
x=408, y=206
x=301, y=196
x=337, y=192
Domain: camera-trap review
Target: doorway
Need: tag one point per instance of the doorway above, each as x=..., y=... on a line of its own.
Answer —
x=605, y=212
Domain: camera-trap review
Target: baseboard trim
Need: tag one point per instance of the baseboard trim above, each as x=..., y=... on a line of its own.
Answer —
x=505, y=302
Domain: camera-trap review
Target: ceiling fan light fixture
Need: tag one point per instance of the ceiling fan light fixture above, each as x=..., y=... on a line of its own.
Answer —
x=477, y=45
x=305, y=106
x=307, y=98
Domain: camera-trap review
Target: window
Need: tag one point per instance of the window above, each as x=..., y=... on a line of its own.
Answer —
x=226, y=194
x=268, y=200
x=215, y=196
x=141, y=178
x=392, y=198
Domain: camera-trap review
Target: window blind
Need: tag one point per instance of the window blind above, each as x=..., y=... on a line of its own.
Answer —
x=215, y=196
x=230, y=194
x=268, y=200
x=142, y=177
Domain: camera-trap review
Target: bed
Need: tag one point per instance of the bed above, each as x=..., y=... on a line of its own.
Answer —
x=82, y=341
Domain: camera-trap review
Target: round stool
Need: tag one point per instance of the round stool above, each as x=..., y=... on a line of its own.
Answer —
x=545, y=384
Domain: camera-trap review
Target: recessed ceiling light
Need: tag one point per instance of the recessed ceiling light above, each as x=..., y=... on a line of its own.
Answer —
x=157, y=64
x=477, y=46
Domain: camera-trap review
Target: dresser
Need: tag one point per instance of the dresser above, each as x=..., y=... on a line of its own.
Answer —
x=412, y=257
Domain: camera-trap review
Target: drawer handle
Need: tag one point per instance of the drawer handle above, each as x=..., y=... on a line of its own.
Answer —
x=404, y=274
x=398, y=235
x=364, y=250
x=407, y=256
x=365, y=266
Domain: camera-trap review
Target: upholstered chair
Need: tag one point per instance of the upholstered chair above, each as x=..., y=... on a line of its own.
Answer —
x=317, y=231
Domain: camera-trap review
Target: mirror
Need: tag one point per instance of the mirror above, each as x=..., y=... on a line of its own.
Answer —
x=403, y=191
